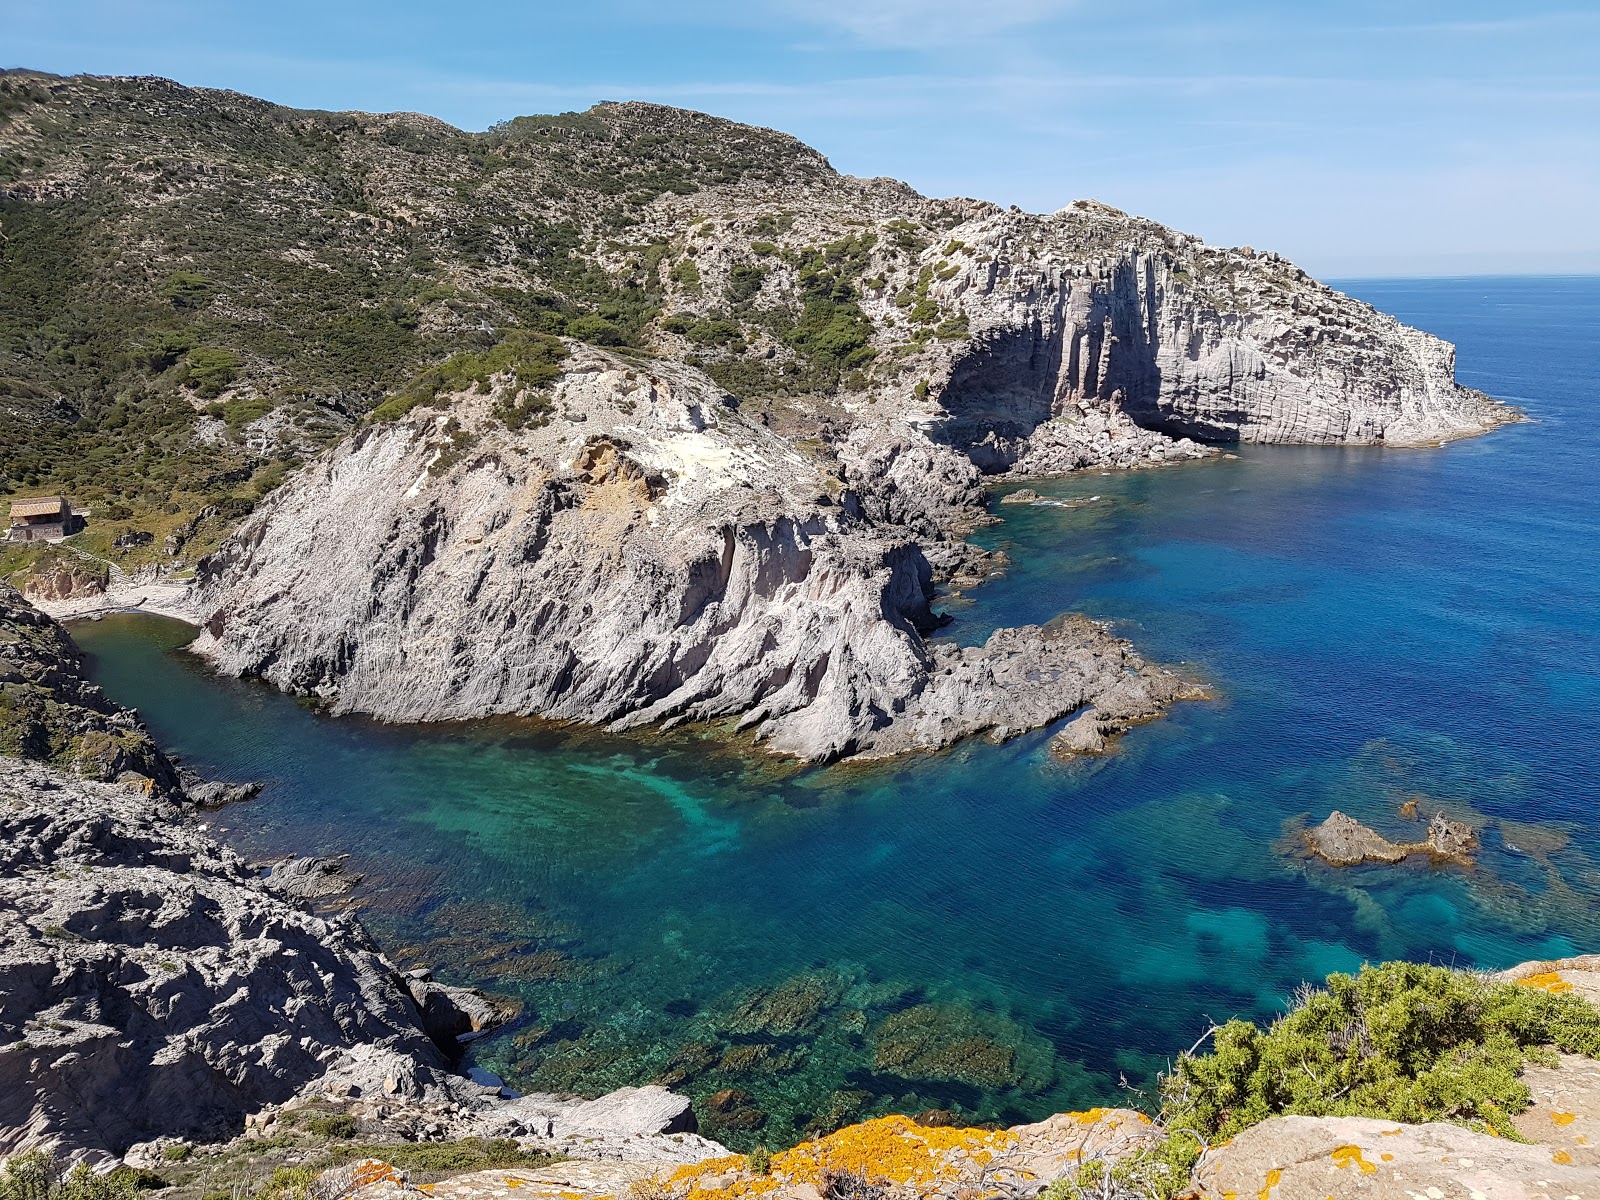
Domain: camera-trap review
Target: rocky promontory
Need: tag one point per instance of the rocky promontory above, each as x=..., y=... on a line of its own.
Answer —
x=654, y=556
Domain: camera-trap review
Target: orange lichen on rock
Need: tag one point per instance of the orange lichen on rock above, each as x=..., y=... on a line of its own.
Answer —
x=1347, y=1156
x=1563, y=1118
x=1274, y=1177
x=1550, y=981
x=371, y=1170
x=888, y=1150
x=1562, y=1157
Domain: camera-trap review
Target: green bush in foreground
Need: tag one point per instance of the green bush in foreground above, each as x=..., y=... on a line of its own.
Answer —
x=36, y=1176
x=1400, y=1042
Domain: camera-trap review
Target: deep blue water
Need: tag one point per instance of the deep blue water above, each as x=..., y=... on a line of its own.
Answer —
x=990, y=929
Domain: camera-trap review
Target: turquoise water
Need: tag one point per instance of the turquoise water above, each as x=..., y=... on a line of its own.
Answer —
x=991, y=930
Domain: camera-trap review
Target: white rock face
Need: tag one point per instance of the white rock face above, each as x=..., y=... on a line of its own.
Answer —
x=651, y=556
x=1116, y=327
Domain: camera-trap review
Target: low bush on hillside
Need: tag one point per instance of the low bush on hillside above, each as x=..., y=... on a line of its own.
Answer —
x=532, y=358
x=36, y=1176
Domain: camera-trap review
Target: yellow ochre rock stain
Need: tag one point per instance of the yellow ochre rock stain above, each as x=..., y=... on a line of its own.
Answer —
x=1550, y=982
x=893, y=1150
x=1346, y=1156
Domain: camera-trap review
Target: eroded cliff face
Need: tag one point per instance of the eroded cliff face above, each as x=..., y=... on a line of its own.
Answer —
x=648, y=556
x=1040, y=344
x=1089, y=310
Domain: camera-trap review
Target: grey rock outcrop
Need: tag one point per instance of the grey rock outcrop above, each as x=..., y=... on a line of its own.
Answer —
x=1343, y=841
x=651, y=556
x=1311, y=1158
x=213, y=793
x=49, y=712
x=150, y=984
x=1092, y=329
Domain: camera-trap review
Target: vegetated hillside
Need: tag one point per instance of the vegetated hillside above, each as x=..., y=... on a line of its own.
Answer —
x=198, y=288
x=179, y=263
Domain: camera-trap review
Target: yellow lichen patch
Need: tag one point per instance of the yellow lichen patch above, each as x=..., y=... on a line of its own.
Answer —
x=893, y=1150
x=1274, y=1177
x=1550, y=982
x=1563, y=1119
x=1386, y=1156
x=1562, y=1157
x=371, y=1170
x=1347, y=1156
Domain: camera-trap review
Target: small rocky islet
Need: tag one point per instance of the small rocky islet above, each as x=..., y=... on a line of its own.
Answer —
x=633, y=520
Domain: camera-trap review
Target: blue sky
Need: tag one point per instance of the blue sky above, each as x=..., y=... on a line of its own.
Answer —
x=1359, y=138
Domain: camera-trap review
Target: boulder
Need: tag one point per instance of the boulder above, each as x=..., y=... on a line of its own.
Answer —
x=314, y=877
x=1344, y=841
x=1451, y=840
x=452, y=1015
x=1084, y=734
x=1314, y=1158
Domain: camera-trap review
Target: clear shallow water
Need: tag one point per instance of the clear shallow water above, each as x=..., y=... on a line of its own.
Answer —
x=988, y=929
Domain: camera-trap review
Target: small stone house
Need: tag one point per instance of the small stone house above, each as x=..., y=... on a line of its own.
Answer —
x=42, y=519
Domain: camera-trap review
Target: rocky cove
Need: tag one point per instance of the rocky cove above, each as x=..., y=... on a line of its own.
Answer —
x=644, y=565
x=637, y=893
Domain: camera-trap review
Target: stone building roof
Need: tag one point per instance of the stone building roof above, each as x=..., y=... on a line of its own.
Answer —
x=41, y=506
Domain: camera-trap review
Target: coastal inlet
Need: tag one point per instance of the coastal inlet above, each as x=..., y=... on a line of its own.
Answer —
x=994, y=930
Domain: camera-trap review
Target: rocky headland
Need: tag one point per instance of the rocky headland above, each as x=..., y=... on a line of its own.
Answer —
x=636, y=415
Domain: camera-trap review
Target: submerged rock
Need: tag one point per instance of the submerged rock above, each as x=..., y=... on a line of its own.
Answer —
x=311, y=878
x=1020, y=496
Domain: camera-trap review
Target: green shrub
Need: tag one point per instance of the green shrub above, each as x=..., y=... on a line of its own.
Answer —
x=760, y=1160
x=531, y=358
x=209, y=371
x=595, y=330
x=445, y=1158
x=687, y=274
x=330, y=1125
x=36, y=1176
x=744, y=281
x=185, y=289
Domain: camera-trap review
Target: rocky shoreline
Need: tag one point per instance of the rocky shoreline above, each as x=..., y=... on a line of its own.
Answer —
x=154, y=985
x=166, y=1006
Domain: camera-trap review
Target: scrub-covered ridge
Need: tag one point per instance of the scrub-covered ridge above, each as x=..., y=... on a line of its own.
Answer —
x=634, y=361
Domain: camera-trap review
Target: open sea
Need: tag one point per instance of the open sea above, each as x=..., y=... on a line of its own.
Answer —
x=990, y=930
